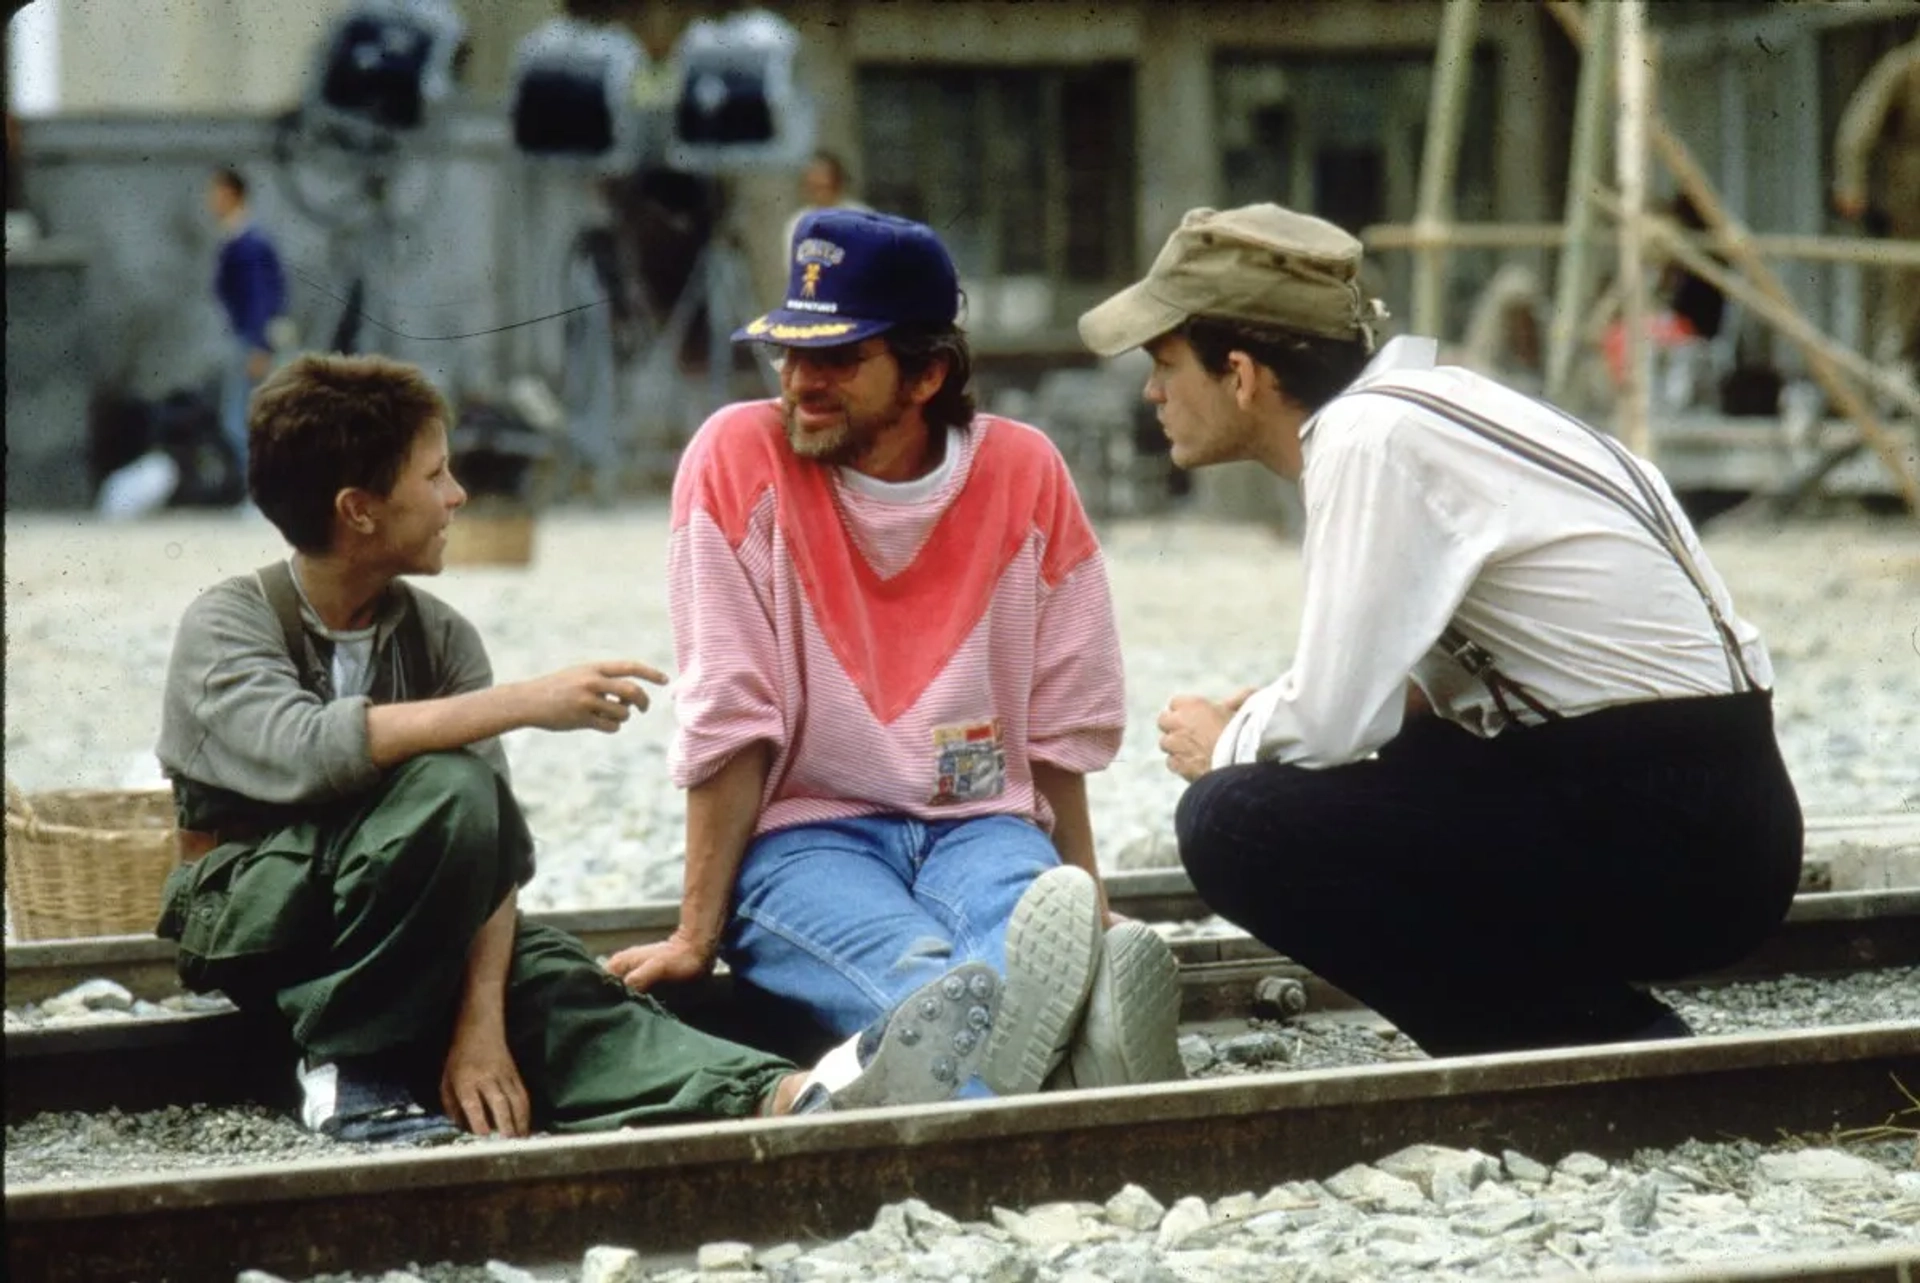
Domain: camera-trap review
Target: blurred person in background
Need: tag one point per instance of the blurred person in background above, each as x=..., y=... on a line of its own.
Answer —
x=252, y=290
x=824, y=184
x=1681, y=329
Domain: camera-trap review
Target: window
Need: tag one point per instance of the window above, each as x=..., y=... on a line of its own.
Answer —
x=1024, y=172
x=1341, y=137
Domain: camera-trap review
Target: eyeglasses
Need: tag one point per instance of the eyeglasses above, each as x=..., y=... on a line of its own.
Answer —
x=837, y=362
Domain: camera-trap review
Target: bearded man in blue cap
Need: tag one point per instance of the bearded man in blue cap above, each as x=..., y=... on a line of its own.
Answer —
x=898, y=663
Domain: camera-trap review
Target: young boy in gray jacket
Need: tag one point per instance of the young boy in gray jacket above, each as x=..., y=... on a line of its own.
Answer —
x=352, y=850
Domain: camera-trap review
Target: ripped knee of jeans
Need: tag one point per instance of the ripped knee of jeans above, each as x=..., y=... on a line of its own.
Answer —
x=925, y=949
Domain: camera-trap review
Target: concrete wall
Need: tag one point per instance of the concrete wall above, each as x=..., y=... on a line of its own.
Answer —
x=46, y=384
x=151, y=56
x=237, y=56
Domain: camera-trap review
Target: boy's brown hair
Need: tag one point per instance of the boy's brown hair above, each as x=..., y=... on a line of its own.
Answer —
x=325, y=423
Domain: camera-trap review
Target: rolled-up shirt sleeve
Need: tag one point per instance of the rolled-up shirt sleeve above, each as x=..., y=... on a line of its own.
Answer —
x=728, y=692
x=465, y=667
x=1385, y=572
x=238, y=718
x=1078, y=710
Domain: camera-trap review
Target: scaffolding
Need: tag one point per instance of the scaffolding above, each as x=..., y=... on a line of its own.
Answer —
x=1617, y=86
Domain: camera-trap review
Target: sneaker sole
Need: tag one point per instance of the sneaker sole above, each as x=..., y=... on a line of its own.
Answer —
x=935, y=1040
x=1052, y=944
x=1131, y=1032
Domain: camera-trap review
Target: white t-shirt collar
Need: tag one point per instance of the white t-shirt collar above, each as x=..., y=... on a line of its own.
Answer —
x=915, y=491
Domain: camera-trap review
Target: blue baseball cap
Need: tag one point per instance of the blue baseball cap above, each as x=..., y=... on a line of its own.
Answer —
x=854, y=274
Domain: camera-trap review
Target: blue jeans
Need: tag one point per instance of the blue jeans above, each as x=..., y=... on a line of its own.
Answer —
x=236, y=389
x=846, y=918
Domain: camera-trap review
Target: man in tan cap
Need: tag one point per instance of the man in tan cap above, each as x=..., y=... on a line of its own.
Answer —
x=1525, y=746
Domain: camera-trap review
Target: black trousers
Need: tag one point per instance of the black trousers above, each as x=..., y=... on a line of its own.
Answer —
x=1495, y=895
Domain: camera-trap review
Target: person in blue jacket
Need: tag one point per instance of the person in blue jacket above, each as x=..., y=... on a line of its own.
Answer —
x=252, y=290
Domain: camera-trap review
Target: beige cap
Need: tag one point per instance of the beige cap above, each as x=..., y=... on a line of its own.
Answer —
x=1258, y=263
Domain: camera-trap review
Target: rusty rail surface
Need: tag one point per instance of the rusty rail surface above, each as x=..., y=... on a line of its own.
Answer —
x=224, y=1058
x=672, y=1188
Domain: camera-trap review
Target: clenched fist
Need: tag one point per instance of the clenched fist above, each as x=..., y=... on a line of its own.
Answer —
x=1189, y=728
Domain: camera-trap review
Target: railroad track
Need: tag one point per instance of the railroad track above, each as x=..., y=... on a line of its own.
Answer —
x=226, y=1057
x=672, y=1188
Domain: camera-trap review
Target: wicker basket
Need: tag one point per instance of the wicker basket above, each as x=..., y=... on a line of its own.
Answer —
x=87, y=862
x=491, y=532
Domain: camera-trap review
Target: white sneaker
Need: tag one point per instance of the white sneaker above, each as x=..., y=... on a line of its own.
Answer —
x=1053, y=944
x=1131, y=1032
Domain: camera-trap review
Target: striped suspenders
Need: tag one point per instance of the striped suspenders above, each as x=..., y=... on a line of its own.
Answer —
x=1654, y=517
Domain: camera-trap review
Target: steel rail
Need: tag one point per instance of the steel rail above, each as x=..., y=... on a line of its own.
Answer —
x=227, y=1058
x=672, y=1188
x=37, y=970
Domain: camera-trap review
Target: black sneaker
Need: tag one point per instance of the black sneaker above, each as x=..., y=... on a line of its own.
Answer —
x=359, y=1100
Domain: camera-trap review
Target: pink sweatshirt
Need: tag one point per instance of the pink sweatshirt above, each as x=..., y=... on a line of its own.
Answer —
x=906, y=649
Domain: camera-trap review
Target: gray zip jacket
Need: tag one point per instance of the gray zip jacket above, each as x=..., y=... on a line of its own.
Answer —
x=236, y=717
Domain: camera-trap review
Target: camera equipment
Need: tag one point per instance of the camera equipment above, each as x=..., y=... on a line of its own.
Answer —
x=385, y=64
x=738, y=106
x=572, y=96
x=361, y=156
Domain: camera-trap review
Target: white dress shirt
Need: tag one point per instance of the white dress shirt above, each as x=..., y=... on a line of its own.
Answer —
x=1414, y=522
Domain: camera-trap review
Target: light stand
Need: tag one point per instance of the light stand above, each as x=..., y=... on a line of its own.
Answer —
x=720, y=286
x=585, y=96
x=572, y=112
x=738, y=111
x=378, y=74
x=347, y=190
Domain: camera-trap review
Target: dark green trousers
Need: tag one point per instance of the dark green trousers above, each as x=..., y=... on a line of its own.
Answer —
x=355, y=926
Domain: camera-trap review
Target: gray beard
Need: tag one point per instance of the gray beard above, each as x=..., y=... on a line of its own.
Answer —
x=836, y=448
x=842, y=446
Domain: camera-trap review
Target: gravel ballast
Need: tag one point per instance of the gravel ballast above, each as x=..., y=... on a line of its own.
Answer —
x=1424, y=1212
x=1203, y=607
